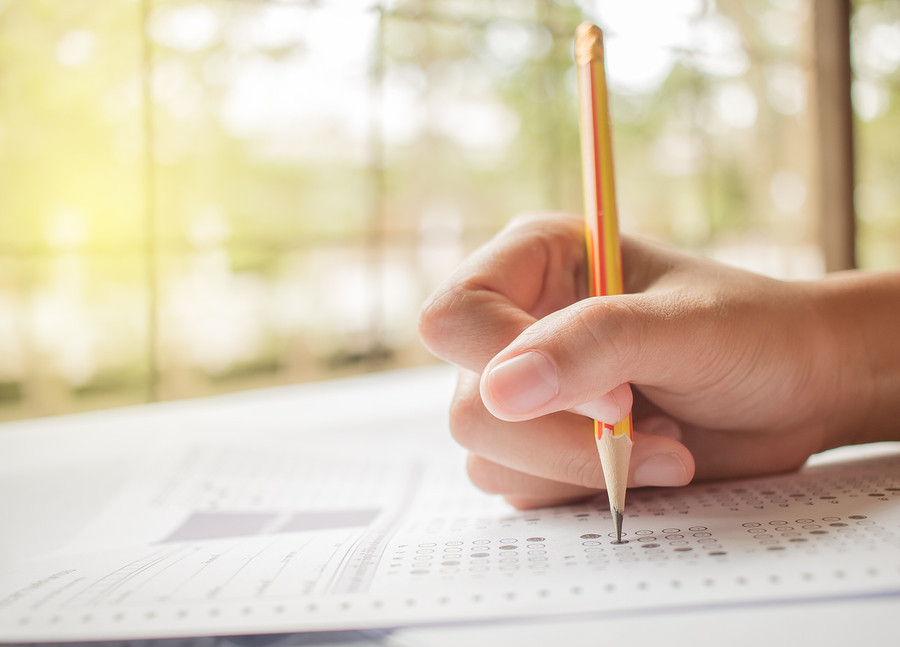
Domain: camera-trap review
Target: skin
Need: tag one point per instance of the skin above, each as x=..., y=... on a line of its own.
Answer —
x=727, y=373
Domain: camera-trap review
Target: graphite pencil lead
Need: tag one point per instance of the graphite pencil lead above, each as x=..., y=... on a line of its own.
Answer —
x=617, y=522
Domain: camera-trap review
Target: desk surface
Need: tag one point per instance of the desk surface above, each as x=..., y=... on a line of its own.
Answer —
x=59, y=474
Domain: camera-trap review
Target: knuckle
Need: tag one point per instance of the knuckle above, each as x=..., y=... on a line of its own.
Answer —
x=614, y=326
x=523, y=222
x=427, y=317
x=434, y=319
x=466, y=410
x=541, y=220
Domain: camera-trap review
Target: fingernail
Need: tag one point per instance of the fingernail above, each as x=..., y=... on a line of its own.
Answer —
x=610, y=407
x=523, y=383
x=662, y=469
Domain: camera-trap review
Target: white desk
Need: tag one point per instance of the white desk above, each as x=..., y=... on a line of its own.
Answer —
x=56, y=476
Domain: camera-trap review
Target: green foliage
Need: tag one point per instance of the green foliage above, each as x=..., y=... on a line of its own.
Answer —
x=270, y=153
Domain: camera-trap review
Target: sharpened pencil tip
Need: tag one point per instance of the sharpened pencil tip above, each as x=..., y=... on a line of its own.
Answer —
x=617, y=522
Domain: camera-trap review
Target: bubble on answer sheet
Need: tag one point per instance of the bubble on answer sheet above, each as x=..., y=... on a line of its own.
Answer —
x=775, y=538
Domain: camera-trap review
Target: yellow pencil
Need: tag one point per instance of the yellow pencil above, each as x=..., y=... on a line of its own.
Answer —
x=614, y=442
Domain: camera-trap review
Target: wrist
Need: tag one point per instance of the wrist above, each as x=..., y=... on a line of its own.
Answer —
x=860, y=313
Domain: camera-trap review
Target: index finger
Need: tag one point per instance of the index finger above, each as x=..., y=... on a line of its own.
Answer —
x=535, y=266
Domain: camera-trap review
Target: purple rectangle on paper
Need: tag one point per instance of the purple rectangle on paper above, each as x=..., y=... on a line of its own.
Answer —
x=221, y=525
x=325, y=519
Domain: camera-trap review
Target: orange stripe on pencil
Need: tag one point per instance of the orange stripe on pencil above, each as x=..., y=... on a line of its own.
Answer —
x=614, y=442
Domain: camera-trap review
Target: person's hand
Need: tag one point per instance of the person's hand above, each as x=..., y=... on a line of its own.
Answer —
x=733, y=374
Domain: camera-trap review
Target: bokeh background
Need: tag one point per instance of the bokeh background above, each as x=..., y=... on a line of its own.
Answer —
x=206, y=196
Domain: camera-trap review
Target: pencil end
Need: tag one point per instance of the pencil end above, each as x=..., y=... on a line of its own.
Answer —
x=588, y=43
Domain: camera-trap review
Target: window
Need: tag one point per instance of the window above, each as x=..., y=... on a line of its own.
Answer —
x=206, y=196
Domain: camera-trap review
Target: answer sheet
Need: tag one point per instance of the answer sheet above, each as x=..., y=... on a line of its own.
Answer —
x=239, y=537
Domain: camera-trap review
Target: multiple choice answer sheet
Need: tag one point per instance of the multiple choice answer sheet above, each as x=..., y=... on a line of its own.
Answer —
x=222, y=538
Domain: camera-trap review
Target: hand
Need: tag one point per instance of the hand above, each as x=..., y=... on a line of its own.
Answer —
x=732, y=373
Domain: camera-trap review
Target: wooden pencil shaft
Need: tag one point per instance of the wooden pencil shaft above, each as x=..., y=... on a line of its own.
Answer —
x=614, y=442
x=601, y=216
x=615, y=457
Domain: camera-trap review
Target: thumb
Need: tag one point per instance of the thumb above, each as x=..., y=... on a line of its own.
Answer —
x=580, y=358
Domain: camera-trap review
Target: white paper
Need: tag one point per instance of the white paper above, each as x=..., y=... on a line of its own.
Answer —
x=216, y=538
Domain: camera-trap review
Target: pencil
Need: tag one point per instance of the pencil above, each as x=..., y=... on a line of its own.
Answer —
x=614, y=442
